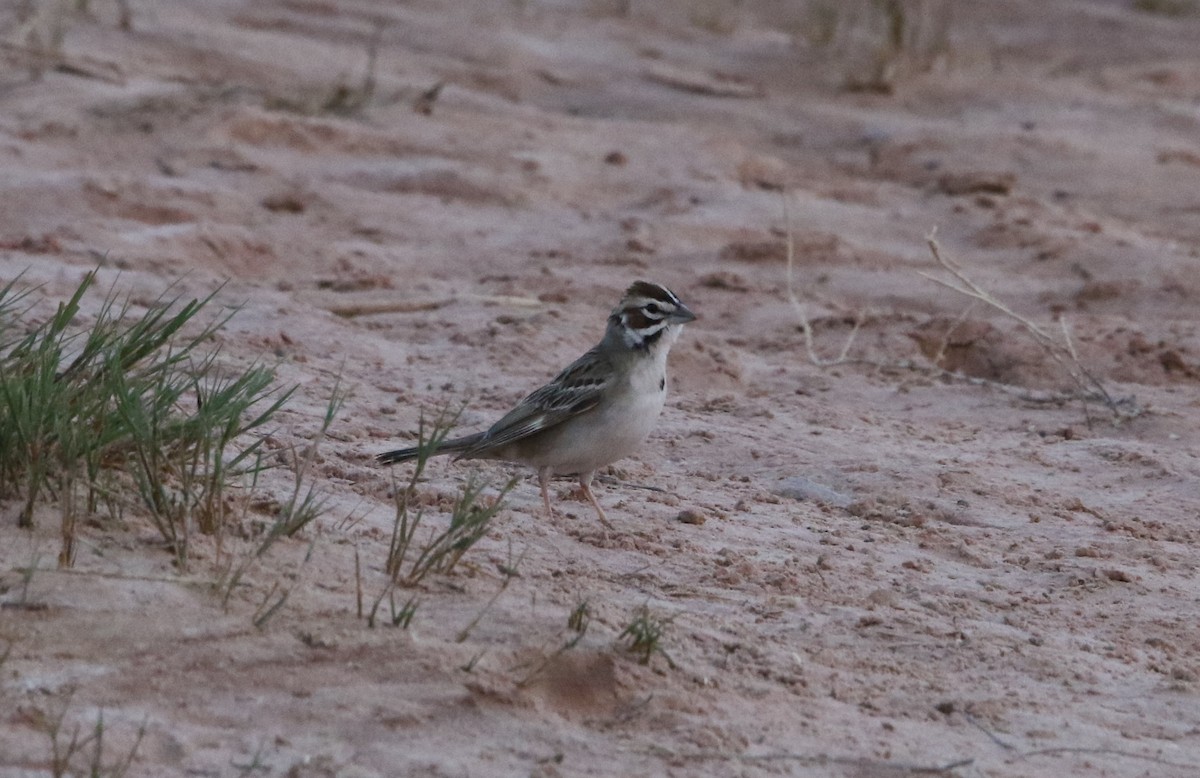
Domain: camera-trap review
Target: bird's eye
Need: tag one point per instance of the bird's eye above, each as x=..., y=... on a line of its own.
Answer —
x=653, y=308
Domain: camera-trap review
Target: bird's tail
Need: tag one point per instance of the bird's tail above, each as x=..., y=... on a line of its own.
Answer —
x=453, y=446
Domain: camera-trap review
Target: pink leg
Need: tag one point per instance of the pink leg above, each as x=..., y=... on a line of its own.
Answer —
x=544, y=482
x=585, y=483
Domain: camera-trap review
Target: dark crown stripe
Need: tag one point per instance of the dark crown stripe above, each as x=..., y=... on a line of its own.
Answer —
x=651, y=291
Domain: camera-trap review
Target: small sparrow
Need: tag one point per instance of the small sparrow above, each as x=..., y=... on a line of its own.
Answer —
x=594, y=412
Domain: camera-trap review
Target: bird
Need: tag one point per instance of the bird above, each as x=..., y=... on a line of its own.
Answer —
x=597, y=410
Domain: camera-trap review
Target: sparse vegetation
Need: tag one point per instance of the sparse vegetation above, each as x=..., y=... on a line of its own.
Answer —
x=74, y=753
x=509, y=571
x=644, y=635
x=1089, y=387
x=41, y=29
x=403, y=616
x=470, y=518
x=270, y=604
x=342, y=98
x=876, y=43
x=1061, y=350
x=257, y=763
x=134, y=411
x=304, y=505
x=27, y=574
x=578, y=622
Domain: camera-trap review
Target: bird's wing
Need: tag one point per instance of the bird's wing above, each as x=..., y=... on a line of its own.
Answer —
x=577, y=389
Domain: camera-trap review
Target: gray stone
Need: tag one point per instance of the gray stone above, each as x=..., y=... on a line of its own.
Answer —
x=800, y=488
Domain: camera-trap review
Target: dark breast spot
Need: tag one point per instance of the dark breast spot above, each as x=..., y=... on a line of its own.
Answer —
x=662, y=384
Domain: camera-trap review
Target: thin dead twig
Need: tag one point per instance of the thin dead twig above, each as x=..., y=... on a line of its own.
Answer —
x=373, y=307
x=802, y=313
x=974, y=722
x=1090, y=388
x=814, y=759
x=609, y=480
x=1057, y=750
x=509, y=572
x=1106, y=752
x=85, y=67
x=940, y=354
x=353, y=310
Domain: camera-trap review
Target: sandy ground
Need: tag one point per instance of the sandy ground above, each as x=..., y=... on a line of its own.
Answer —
x=883, y=570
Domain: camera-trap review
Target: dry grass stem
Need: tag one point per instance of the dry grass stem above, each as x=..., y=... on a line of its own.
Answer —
x=944, y=344
x=509, y=571
x=1089, y=388
x=1063, y=352
x=375, y=307
x=578, y=622
x=802, y=313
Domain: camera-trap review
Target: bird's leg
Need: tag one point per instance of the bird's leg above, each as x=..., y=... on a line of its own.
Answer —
x=544, y=474
x=585, y=483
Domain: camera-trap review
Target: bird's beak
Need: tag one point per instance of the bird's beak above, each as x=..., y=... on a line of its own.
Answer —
x=681, y=315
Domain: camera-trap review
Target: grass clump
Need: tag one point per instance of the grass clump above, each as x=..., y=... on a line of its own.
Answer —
x=76, y=752
x=470, y=516
x=132, y=408
x=342, y=98
x=578, y=621
x=878, y=43
x=409, y=561
x=304, y=504
x=644, y=635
